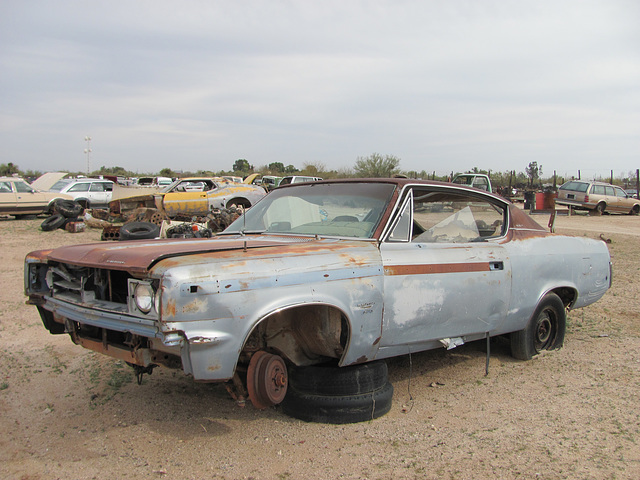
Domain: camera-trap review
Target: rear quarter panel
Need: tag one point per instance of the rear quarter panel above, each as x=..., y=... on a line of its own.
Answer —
x=543, y=264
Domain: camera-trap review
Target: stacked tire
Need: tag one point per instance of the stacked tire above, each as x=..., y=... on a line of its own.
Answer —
x=65, y=211
x=139, y=231
x=330, y=394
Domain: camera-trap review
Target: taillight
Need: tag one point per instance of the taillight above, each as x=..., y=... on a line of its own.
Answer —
x=586, y=199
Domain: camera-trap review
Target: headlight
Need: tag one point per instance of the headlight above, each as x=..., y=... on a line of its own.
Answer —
x=144, y=297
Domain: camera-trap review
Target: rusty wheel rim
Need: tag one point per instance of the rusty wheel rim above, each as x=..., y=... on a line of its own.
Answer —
x=545, y=331
x=267, y=380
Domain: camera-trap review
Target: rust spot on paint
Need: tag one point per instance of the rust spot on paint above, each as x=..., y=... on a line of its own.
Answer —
x=377, y=340
x=170, y=310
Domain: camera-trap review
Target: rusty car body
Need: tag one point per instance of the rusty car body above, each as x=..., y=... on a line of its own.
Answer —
x=350, y=271
x=194, y=196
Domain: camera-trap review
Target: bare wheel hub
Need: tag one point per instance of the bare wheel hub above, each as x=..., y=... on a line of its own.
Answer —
x=267, y=379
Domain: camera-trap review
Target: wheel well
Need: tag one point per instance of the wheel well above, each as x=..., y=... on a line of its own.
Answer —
x=83, y=201
x=50, y=209
x=567, y=295
x=304, y=335
x=239, y=202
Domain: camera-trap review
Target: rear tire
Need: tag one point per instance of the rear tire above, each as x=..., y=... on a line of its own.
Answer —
x=545, y=330
x=600, y=208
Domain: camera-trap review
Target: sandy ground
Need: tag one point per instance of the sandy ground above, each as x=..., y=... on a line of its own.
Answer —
x=575, y=413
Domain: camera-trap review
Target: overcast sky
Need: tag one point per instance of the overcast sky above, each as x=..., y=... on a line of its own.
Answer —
x=443, y=85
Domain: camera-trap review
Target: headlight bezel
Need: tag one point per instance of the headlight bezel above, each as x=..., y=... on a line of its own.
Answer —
x=143, y=298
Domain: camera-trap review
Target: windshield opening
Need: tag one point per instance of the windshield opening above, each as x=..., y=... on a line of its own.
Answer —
x=334, y=209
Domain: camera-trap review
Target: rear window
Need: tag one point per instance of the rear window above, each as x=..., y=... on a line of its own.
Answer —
x=60, y=184
x=575, y=186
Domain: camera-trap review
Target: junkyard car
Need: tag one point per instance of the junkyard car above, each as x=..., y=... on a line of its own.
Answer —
x=598, y=197
x=191, y=196
x=328, y=274
x=88, y=192
x=483, y=182
x=18, y=198
x=297, y=179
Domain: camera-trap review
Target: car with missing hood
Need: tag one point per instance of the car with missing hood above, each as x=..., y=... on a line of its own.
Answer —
x=18, y=198
x=193, y=196
x=299, y=301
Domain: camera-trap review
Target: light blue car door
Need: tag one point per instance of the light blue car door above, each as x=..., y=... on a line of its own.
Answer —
x=446, y=275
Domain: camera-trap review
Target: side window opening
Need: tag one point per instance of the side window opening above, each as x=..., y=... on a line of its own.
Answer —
x=445, y=217
x=403, y=230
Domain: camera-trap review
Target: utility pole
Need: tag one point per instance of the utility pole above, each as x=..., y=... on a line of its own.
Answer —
x=88, y=152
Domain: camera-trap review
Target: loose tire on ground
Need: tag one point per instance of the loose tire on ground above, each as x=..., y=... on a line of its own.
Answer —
x=545, y=330
x=329, y=379
x=53, y=222
x=68, y=208
x=139, y=231
x=338, y=409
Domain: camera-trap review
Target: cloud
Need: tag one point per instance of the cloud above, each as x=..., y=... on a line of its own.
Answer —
x=443, y=85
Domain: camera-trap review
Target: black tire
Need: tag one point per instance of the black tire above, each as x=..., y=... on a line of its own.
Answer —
x=329, y=379
x=68, y=208
x=635, y=210
x=337, y=409
x=139, y=231
x=600, y=208
x=53, y=222
x=545, y=330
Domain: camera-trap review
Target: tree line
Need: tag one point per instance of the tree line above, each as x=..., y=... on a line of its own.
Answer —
x=375, y=165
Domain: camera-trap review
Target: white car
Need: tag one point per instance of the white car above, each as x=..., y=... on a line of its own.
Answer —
x=88, y=192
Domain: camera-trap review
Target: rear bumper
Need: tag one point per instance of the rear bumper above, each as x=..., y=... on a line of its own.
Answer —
x=575, y=204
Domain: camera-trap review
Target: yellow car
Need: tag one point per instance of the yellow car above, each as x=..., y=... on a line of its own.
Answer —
x=195, y=196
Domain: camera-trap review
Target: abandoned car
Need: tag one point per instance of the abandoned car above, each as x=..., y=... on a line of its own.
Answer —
x=597, y=197
x=20, y=199
x=300, y=300
x=186, y=197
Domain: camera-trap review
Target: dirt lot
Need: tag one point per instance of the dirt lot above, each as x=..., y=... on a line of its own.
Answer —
x=69, y=413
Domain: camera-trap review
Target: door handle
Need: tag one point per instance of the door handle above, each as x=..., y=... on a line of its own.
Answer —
x=493, y=266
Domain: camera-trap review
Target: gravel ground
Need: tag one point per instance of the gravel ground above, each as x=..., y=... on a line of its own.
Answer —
x=66, y=412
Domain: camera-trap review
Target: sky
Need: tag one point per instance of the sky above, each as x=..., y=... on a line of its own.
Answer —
x=443, y=85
